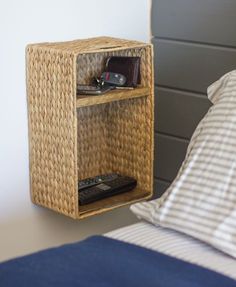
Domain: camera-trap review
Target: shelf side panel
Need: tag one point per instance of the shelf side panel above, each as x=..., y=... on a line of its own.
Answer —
x=51, y=92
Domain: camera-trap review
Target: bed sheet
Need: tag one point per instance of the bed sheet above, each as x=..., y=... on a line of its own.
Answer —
x=177, y=245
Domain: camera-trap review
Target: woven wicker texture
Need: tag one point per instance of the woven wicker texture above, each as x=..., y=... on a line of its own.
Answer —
x=91, y=45
x=69, y=143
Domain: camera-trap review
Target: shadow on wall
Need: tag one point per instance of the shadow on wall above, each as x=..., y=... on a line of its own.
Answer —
x=45, y=228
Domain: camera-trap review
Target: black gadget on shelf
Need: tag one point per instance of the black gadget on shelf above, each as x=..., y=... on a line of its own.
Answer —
x=91, y=181
x=129, y=67
x=102, y=186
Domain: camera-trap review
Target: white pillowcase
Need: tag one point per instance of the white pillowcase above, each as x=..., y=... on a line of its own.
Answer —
x=201, y=201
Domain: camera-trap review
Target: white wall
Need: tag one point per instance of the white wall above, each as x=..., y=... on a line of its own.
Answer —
x=24, y=227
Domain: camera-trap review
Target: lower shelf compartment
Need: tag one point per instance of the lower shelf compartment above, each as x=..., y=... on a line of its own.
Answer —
x=113, y=202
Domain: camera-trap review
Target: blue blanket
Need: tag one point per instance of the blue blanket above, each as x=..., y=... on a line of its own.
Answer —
x=100, y=261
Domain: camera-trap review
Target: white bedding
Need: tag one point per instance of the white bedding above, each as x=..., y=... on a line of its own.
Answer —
x=177, y=245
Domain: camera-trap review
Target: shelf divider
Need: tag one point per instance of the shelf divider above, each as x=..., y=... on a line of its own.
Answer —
x=115, y=95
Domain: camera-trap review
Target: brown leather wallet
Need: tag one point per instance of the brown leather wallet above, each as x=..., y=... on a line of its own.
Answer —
x=127, y=66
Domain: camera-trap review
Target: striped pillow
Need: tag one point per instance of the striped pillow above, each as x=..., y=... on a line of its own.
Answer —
x=201, y=201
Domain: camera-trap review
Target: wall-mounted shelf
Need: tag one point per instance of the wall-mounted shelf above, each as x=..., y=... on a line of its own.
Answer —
x=72, y=138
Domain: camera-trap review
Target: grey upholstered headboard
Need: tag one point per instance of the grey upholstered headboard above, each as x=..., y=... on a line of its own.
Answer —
x=194, y=44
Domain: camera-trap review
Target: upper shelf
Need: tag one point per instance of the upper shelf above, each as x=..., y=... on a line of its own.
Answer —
x=116, y=95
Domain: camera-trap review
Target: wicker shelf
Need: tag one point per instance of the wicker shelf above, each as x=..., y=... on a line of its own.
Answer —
x=72, y=138
x=117, y=95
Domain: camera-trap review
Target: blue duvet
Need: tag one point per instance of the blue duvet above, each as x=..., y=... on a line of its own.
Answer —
x=100, y=261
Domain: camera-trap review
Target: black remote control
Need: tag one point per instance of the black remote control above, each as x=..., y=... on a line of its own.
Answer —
x=117, y=185
x=91, y=181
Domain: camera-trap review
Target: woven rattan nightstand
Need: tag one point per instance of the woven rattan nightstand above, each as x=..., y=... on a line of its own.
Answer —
x=71, y=138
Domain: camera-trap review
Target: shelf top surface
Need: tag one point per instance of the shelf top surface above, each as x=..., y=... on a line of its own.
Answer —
x=116, y=95
x=91, y=45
